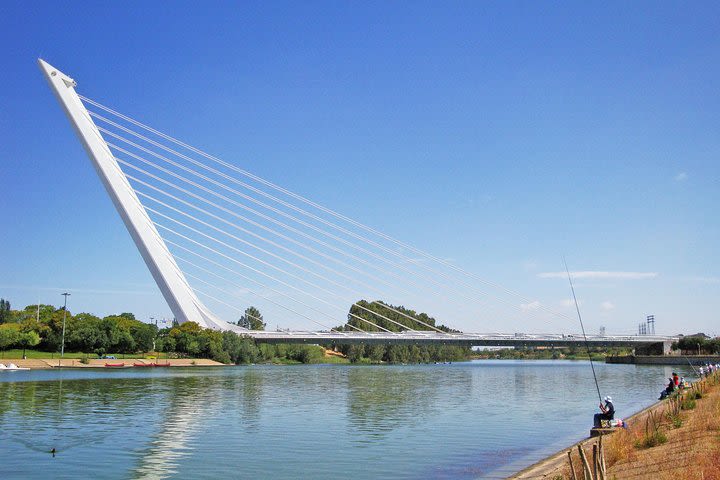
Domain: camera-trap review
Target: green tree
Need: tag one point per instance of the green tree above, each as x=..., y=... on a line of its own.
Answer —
x=52, y=318
x=185, y=338
x=27, y=340
x=9, y=335
x=165, y=343
x=375, y=352
x=31, y=312
x=694, y=345
x=307, y=353
x=143, y=335
x=85, y=333
x=389, y=317
x=240, y=349
x=252, y=319
x=4, y=310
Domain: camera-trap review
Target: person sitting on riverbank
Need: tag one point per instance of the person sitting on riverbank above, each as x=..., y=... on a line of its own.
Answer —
x=608, y=412
x=669, y=389
x=676, y=379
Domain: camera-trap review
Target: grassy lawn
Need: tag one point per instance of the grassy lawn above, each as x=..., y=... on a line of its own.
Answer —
x=332, y=359
x=17, y=353
x=315, y=361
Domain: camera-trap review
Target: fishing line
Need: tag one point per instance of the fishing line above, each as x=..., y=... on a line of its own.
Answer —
x=587, y=345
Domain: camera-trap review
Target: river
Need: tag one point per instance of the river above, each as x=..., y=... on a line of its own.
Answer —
x=481, y=419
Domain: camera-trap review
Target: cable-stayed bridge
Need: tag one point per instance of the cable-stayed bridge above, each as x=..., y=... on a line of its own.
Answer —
x=212, y=232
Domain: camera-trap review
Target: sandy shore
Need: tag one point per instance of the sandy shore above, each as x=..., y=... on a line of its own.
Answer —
x=46, y=363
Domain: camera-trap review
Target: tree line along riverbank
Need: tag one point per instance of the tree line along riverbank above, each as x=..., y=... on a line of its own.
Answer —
x=677, y=438
x=37, y=332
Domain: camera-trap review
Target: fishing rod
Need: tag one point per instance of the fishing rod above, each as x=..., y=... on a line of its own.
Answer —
x=587, y=345
x=691, y=365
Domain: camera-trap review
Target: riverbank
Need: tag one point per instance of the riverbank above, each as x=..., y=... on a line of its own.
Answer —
x=35, y=360
x=685, y=434
x=48, y=363
x=663, y=359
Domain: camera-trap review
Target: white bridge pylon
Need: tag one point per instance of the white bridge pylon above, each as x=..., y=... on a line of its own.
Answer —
x=181, y=299
x=202, y=223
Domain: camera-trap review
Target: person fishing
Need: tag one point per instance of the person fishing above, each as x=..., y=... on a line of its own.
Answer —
x=668, y=390
x=608, y=412
x=608, y=409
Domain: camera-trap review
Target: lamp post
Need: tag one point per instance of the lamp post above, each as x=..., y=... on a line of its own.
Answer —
x=62, y=347
x=151, y=321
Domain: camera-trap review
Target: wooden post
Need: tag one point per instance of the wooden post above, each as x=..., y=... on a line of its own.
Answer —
x=601, y=448
x=586, y=465
x=572, y=468
x=595, y=461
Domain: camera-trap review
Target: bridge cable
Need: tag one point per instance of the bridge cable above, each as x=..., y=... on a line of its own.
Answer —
x=285, y=214
x=281, y=258
x=240, y=310
x=351, y=245
x=140, y=193
x=320, y=207
x=262, y=273
x=213, y=193
x=192, y=252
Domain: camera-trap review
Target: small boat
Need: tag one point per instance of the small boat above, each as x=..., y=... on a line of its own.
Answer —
x=161, y=364
x=114, y=365
x=12, y=367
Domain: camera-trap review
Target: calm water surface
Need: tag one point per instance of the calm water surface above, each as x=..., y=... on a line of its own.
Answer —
x=481, y=419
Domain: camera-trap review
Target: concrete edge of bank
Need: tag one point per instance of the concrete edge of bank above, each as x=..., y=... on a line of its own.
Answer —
x=49, y=363
x=549, y=465
x=663, y=359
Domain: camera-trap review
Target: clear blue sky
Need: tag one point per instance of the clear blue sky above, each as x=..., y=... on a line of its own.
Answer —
x=502, y=135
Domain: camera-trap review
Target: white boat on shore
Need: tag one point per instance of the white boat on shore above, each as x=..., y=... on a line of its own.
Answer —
x=11, y=367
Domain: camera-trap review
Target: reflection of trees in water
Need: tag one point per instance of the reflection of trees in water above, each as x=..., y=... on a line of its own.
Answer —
x=65, y=414
x=251, y=394
x=385, y=398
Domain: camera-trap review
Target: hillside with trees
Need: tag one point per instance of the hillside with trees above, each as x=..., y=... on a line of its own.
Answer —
x=397, y=319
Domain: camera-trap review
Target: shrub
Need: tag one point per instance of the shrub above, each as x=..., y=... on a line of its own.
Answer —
x=689, y=404
x=652, y=440
x=653, y=435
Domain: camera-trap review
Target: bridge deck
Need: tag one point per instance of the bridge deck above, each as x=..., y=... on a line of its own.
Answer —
x=466, y=339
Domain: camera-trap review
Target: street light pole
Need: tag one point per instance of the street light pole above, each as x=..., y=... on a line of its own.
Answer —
x=62, y=348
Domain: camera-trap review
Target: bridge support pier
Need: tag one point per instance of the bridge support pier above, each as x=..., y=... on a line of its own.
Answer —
x=660, y=348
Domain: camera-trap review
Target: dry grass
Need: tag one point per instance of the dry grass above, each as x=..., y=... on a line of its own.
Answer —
x=691, y=449
x=620, y=447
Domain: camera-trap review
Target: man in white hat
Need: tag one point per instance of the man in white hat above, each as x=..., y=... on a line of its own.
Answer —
x=608, y=412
